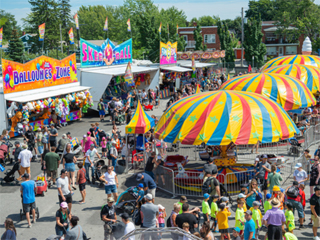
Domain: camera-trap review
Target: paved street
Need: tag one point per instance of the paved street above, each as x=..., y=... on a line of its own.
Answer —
x=89, y=213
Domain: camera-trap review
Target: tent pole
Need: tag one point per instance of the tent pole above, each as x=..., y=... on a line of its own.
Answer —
x=144, y=152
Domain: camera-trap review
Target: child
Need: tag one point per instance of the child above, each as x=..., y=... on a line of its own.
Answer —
x=303, y=197
x=222, y=218
x=236, y=233
x=123, y=148
x=267, y=205
x=103, y=145
x=288, y=235
x=240, y=219
x=242, y=197
x=205, y=207
x=96, y=132
x=162, y=215
x=140, y=193
x=289, y=217
x=185, y=226
x=256, y=216
x=214, y=211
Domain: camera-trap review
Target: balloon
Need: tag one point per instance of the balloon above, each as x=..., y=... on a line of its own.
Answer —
x=11, y=83
x=73, y=68
x=54, y=77
x=9, y=69
x=38, y=66
x=70, y=63
x=7, y=78
x=41, y=62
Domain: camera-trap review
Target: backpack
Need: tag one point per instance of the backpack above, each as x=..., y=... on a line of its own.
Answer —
x=100, y=106
x=207, y=185
x=293, y=192
x=169, y=221
x=112, y=105
x=136, y=217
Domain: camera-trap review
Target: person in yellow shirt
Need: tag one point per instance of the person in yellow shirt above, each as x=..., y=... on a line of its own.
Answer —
x=205, y=207
x=214, y=211
x=289, y=217
x=256, y=216
x=242, y=197
x=267, y=205
x=222, y=219
x=183, y=199
x=240, y=219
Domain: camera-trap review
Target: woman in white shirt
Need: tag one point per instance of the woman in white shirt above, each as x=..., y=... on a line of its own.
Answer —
x=111, y=183
x=299, y=174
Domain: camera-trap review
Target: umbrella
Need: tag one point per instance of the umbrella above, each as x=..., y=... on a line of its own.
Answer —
x=289, y=92
x=309, y=75
x=140, y=122
x=222, y=117
x=293, y=59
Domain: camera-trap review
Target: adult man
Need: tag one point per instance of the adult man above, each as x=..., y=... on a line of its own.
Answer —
x=108, y=215
x=17, y=150
x=129, y=116
x=62, y=144
x=294, y=196
x=29, y=137
x=53, y=135
x=314, y=174
x=112, y=107
x=89, y=162
x=209, y=167
x=129, y=225
x=28, y=191
x=315, y=211
x=214, y=185
x=185, y=216
x=51, y=161
x=150, y=165
x=64, y=189
x=101, y=110
x=113, y=154
x=149, y=213
x=149, y=184
x=24, y=158
x=274, y=219
x=249, y=227
x=264, y=168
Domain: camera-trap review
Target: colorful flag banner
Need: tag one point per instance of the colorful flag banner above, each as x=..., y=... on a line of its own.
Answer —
x=129, y=25
x=42, y=28
x=193, y=66
x=71, y=36
x=76, y=20
x=168, y=52
x=128, y=76
x=160, y=28
x=1, y=34
x=177, y=29
x=105, y=28
x=228, y=77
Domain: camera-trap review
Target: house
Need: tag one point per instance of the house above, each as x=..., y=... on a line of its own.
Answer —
x=209, y=34
x=27, y=40
x=277, y=44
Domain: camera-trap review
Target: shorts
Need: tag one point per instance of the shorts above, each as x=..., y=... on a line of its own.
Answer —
x=82, y=186
x=264, y=184
x=110, y=189
x=24, y=169
x=224, y=230
x=68, y=198
x=40, y=149
x=257, y=231
x=153, y=192
x=161, y=225
x=313, y=182
x=52, y=174
x=101, y=112
x=316, y=221
x=70, y=167
x=111, y=113
x=298, y=206
x=29, y=206
x=104, y=150
x=53, y=143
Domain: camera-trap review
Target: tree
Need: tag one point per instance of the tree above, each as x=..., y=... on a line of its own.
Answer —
x=265, y=8
x=193, y=21
x=65, y=18
x=253, y=45
x=199, y=39
x=206, y=21
x=226, y=42
x=15, y=48
x=181, y=43
x=9, y=22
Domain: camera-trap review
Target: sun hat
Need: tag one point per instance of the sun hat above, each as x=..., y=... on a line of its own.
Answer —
x=275, y=189
x=298, y=165
x=110, y=199
x=275, y=203
x=206, y=195
x=64, y=205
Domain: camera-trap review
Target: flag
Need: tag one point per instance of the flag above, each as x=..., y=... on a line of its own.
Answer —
x=1, y=33
x=129, y=25
x=228, y=76
x=177, y=29
x=249, y=68
x=76, y=20
x=128, y=76
x=105, y=28
x=198, y=89
x=160, y=28
x=71, y=37
x=42, y=28
x=193, y=66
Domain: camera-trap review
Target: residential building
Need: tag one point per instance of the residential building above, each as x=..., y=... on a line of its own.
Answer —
x=209, y=34
x=27, y=40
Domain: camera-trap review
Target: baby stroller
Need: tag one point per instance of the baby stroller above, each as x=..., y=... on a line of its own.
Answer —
x=76, y=148
x=100, y=169
x=127, y=200
x=295, y=146
x=5, y=153
x=9, y=178
x=22, y=212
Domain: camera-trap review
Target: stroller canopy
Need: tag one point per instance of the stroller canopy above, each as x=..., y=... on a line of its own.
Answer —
x=140, y=122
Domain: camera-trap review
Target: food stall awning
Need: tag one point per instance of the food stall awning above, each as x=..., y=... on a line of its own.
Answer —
x=176, y=69
x=27, y=96
x=198, y=65
x=119, y=70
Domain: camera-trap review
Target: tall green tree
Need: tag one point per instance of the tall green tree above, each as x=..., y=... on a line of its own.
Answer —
x=265, y=8
x=181, y=43
x=226, y=42
x=199, y=39
x=253, y=45
x=8, y=22
x=15, y=48
x=65, y=18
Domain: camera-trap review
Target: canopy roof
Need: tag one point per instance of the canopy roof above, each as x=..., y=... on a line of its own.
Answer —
x=176, y=69
x=198, y=64
x=119, y=70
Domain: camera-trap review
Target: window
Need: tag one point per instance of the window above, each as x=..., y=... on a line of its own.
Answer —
x=291, y=50
x=185, y=37
x=209, y=38
x=271, y=50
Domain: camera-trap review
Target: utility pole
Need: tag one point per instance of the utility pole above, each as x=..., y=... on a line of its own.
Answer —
x=60, y=39
x=242, y=36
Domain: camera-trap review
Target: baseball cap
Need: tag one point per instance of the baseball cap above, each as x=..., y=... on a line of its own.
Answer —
x=295, y=183
x=103, y=138
x=26, y=175
x=268, y=196
x=161, y=207
x=249, y=212
x=298, y=165
x=64, y=135
x=51, y=124
x=224, y=199
x=264, y=156
x=257, y=159
x=237, y=229
x=125, y=216
x=63, y=171
x=140, y=185
x=241, y=195
x=256, y=203
x=183, y=198
x=64, y=205
x=39, y=129
x=139, y=177
x=149, y=196
x=88, y=133
x=16, y=142
x=206, y=195
x=91, y=145
x=110, y=199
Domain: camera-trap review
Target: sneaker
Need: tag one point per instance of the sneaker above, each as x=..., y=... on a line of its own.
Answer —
x=316, y=238
x=29, y=226
x=310, y=223
x=301, y=227
x=34, y=221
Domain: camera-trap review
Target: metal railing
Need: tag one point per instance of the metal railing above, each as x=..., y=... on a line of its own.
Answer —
x=233, y=181
x=311, y=136
x=164, y=178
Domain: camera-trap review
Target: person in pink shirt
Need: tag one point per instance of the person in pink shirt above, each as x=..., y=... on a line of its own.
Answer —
x=103, y=145
x=88, y=141
x=162, y=215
